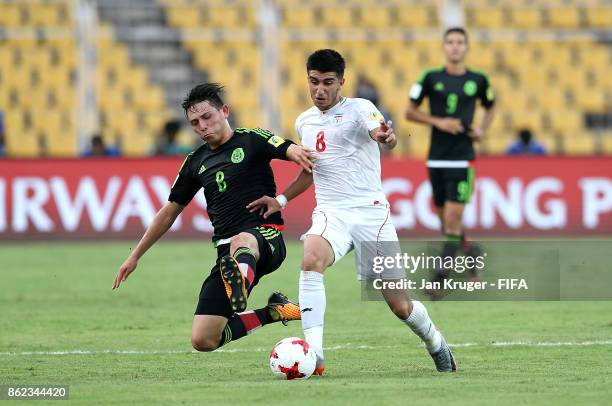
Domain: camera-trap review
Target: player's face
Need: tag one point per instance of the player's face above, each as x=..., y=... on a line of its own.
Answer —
x=325, y=88
x=209, y=122
x=455, y=47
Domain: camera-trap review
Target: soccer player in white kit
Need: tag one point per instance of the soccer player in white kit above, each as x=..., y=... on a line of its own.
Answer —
x=351, y=206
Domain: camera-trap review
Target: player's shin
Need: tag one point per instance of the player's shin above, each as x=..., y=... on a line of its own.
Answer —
x=242, y=324
x=247, y=263
x=312, y=305
x=420, y=323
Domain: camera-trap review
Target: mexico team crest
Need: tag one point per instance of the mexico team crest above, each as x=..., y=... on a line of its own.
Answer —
x=237, y=155
x=470, y=88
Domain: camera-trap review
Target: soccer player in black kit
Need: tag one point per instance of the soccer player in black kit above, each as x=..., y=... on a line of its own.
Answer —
x=452, y=91
x=234, y=169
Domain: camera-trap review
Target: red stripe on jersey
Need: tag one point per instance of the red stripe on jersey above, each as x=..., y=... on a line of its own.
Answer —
x=278, y=227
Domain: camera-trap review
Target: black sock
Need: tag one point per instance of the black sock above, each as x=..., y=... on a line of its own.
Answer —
x=244, y=255
x=240, y=324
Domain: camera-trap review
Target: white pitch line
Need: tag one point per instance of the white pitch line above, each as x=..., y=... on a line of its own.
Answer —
x=346, y=346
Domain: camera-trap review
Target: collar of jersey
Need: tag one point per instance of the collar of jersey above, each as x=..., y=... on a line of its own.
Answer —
x=336, y=106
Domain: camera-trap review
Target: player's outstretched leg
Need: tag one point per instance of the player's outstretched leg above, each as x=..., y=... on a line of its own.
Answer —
x=282, y=309
x=415, y=316
x=420, y=323
x=279, y=308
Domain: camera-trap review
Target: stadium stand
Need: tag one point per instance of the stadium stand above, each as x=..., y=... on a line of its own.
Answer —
x=548, y=65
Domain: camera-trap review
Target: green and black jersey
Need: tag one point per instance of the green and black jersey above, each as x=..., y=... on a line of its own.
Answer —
x=232, y=175
x=452, y=96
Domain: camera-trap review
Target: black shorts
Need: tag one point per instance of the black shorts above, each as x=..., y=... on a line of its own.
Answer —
x=451, y=184
x=213, y=299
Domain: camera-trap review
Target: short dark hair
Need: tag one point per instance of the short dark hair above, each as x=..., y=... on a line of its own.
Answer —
x=459, y=30
x=326, y=60
x=210, y=92
x=525, y=135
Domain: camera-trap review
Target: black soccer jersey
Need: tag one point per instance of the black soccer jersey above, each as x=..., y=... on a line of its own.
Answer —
x=233, y=175
x=452, y=96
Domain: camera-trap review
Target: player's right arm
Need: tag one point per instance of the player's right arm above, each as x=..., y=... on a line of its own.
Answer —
x=417, y=93
x=268, y=205
x=183, y=190
x=162, y=222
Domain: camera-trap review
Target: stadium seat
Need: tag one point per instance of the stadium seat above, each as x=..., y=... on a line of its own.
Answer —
x=526, y=18
x=564, y=17
x=606, y=143
x=582, y=144
x=599, y=16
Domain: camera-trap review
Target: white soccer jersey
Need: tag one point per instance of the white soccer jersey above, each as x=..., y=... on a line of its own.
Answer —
x=347, y=171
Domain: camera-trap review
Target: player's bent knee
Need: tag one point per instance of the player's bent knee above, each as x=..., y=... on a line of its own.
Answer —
x=400, y=308
x=243, y=240
x=313, y=263
x=204, y=344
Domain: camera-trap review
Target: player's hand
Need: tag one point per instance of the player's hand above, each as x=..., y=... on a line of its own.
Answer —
x=266, y=205
x=125, y=270
x=301, y=156
x=450, y=125
x=476, y=134
x=385, y=134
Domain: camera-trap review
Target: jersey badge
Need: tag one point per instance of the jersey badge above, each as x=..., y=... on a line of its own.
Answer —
x=470, y=88
x=337, y=119
x=375, y=116
x=237, y=155
x=276, y=140
x=439, y=87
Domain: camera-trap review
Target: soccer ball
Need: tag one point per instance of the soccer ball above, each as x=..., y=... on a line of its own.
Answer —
x=292, y=358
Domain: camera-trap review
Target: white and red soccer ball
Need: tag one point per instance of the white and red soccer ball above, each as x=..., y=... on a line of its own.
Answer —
x=292, y=358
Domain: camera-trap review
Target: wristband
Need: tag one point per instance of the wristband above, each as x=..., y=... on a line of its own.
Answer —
x=282, y=200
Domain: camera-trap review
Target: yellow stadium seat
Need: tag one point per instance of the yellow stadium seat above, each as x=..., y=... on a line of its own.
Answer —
x=599, y=16
x=526, y=18
x=490, y=17
x=22, y=145
x=416, y=17
x=567, y=121
x=578, y=144
x=564, y=17
x=44, y=15
x=10, y=15
x=606, y=143
x=183, y=16
x=299, y=16
x=375, y=17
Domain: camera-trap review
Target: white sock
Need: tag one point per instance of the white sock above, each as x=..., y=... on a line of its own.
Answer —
x=420, y=323
x=312, y=305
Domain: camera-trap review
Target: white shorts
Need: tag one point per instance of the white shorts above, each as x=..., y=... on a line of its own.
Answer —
x=367, y=229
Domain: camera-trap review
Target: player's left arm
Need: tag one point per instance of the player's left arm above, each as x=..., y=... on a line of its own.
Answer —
x=276, y=147
x=487, y=99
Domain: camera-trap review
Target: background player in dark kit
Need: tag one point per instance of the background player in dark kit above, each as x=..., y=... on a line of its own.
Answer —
x=452, y=91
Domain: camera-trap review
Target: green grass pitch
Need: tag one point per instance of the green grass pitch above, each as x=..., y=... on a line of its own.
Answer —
x=133, y=345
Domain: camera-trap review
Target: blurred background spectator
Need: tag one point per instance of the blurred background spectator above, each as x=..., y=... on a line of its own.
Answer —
x=526, y=145
x=367, y=90
x=98, y=148
x=167, y=142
